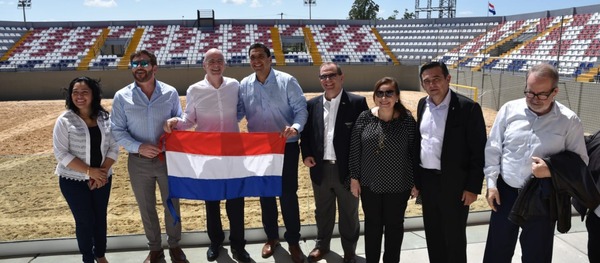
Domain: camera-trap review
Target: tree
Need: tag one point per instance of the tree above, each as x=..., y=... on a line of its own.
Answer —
x=394, y=16
x=363, y=10
x=408, y=15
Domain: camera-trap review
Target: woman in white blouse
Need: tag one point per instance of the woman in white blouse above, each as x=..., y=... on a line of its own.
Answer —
x=85, y=151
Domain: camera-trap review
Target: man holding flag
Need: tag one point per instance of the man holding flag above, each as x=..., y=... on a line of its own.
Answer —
x=273, y=101
x=138, y=113
x=211, y=106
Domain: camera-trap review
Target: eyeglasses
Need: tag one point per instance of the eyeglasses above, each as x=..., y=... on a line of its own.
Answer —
x=143, y=63
x=540, y=96
x=386, y=93
x=328, y=76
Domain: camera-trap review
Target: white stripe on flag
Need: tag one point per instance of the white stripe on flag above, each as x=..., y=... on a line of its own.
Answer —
x=223, y=167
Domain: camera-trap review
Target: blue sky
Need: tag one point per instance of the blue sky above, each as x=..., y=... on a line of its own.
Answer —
x=93, y=10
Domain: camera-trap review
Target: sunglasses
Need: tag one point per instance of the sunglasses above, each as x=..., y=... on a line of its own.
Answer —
x=143, y=63
x=328, y=76
x=386, y=93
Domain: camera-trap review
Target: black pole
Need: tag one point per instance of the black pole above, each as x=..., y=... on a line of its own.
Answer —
x=24, y=17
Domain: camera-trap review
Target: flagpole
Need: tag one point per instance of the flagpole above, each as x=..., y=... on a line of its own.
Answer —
x=485, y=40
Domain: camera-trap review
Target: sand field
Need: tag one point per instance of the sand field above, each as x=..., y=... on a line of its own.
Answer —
x=32, y=207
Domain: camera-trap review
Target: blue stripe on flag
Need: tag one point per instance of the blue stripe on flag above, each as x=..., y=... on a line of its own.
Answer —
x=222, y=189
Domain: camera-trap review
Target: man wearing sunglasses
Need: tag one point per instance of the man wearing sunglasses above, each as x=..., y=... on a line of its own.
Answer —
x=452, y=138
x=325, y=144
x=138, y=113
x=526, y=130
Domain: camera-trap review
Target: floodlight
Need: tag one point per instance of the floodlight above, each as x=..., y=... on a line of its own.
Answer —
x=310, y=3
x=27, y=4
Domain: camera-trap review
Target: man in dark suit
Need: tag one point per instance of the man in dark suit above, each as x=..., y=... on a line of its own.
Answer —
x=451, y=155
x=325, y=144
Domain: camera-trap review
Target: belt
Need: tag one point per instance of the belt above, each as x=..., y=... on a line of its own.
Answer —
x=332, y=162
x=432, y=171
x=141, y=156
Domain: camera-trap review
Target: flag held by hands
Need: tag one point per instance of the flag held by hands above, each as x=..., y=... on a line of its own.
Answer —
x=219, y=166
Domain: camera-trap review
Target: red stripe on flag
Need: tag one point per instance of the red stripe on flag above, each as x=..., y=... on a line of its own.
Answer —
x=224, y=144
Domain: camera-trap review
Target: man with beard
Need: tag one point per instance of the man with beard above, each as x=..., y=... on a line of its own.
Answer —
x=273, y=101
x=138, y=113
x=525, y=131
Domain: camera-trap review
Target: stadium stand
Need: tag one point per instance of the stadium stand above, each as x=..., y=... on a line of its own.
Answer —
x=348, y=44
x=8, y=37
x=52, y=48
x=569, y=42
x=58, y=48
x=176, y=45
x=419, y=42
x=568, y=39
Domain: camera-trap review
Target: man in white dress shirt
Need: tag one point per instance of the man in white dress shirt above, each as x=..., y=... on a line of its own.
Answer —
x=526, y=130
x=212, y=107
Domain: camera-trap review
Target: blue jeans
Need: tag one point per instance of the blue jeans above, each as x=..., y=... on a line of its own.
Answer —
x=537, y=235
x=89, y=210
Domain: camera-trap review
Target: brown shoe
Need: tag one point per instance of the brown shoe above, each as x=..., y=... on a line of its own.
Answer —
x=296, y=254
x=101, y=260
x=317, y=254
x=177, y=255
x=269, y=247
x=155, y=257
x=349, y=258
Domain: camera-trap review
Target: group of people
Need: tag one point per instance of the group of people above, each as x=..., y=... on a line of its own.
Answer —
x=383, y=156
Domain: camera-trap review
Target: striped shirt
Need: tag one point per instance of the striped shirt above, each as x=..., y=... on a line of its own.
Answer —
x=135, y=119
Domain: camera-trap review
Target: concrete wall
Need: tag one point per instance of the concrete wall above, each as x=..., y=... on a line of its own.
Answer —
x=48, y=85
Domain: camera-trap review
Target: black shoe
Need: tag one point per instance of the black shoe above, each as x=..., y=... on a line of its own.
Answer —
x=213, y=252
x=241, y=255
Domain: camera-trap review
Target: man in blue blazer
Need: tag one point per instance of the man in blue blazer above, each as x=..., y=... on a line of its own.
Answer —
x=451, y=155
x=325, y=144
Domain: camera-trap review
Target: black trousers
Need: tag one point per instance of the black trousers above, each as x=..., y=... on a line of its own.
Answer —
x=384, y=213
x=214, y=227
x=537, y=235
x=593, y=226
x=288, y=200
x=445, y=221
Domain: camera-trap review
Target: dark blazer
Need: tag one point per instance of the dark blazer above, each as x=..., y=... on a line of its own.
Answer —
x=312, y=140
x=462, y=157
x=570, y=179
x=592, y=143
